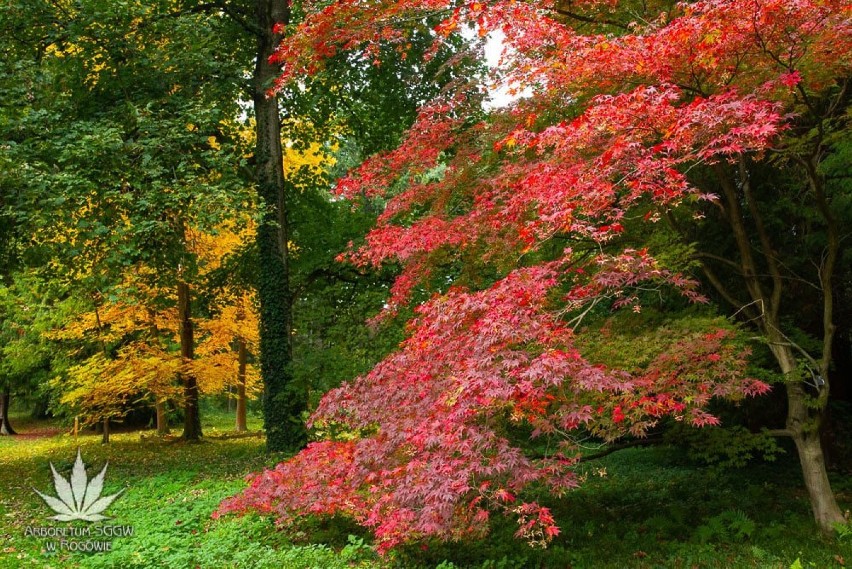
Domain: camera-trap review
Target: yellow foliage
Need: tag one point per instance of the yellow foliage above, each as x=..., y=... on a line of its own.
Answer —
x=146, y=323
x=216, y=362
x=316, y=160
x=211, y=248
x=102, y=387
x=218, y=372
x=68, y=50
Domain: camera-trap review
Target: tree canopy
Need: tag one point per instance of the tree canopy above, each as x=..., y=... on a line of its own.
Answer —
x=511, y=228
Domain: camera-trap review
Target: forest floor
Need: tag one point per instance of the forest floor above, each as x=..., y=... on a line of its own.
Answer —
x=643, y=508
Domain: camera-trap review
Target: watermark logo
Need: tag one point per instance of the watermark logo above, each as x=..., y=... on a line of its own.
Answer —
x=78, y=498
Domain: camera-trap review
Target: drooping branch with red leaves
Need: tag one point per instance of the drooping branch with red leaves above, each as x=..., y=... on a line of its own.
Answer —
x=426, y=454
x=608, y=124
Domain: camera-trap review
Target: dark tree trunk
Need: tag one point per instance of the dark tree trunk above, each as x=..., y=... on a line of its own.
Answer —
x=282, y=404
x=5, y=425
x=242, y=357
x=805, y=412
x=191, y=417
x=105, y=420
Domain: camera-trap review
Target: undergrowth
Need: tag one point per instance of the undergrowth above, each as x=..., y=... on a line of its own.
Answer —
x=643, y=508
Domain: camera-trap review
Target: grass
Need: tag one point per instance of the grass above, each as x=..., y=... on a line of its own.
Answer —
x=643, y=508
x=170, y=490
x=650, y=508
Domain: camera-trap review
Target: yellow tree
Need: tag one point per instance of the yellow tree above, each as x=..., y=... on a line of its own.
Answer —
x=137, y=337
x=134, y=357
x=222, y=363
x=231, y=332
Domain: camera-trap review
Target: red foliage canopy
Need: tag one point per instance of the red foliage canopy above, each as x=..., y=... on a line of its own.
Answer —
x=611, y=122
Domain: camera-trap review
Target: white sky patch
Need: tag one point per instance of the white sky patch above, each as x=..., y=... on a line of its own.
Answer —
x=494, y=48
x=500, y=94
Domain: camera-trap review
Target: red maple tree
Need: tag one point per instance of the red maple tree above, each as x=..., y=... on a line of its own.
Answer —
x=610, y=122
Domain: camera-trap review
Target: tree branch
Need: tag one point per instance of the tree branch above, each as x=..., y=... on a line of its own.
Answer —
x=722, y=289
x=703, y=255
x=588, y=19
x=239, y=18
x=763, y=237
x=235, y=14
x=735, y=219
x=779, y=432
x=620, y=446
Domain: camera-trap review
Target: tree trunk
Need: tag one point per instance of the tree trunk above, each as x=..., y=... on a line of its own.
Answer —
x=162, y=418
x=823, y=504
x=191, y=417
x=242, y=356
x=5, y=425
x=282, y=404
x=804, y=411
x=803, y=425
x=159, y=404
x=105, y=423
x=805, y=415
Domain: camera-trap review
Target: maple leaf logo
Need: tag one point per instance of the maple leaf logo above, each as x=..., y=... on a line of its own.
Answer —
x=78, y=498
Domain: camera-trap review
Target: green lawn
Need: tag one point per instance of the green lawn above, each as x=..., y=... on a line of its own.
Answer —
x=639, y=508
x=171, y=488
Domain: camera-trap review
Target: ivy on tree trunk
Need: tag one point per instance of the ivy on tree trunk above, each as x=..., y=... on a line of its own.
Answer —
x=282, y=404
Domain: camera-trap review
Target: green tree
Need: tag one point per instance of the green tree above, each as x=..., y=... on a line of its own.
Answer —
x=122, y=141
x=29, y=307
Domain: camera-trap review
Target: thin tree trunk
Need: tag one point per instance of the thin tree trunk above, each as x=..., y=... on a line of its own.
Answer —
x=162, y=418
x=105, y=420
x=159, y=404
x=5, y=425
x=41, y=407
x=242, y=357
x=191, y=418
x=282, y=405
